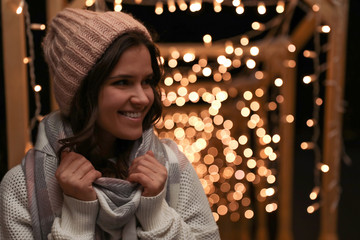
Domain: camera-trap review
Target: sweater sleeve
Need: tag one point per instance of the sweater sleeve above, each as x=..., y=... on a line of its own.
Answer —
x=77, y=217
x=190, y=219
x=15, y=220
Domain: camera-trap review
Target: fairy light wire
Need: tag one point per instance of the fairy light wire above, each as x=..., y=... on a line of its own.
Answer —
x=31, y=63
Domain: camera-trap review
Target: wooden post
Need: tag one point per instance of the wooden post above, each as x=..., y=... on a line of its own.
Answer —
x=286, y=169
x=333, y=120
x=16, y=85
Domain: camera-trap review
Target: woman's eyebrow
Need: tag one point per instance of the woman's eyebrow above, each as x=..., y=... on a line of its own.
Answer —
x=129, y=76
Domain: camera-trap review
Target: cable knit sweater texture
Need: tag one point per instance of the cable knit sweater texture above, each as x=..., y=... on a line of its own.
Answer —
x=189, y=218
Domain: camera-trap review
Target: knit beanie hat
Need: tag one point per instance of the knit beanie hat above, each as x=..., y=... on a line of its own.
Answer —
x=75, y=40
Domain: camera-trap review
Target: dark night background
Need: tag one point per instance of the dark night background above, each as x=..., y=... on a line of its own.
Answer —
x=178, y=27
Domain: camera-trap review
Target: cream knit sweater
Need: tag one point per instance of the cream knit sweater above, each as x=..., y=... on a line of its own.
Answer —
x=191, y=218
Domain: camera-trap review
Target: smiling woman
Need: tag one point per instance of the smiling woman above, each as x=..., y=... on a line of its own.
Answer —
x=97, y=169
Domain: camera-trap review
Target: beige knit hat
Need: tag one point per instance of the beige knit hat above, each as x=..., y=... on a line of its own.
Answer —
x=75, y=40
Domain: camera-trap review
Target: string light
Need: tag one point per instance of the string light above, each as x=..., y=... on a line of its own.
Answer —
x=20, y=8
x=280, y=7
x=182, y=5
x=240, y=9
x=195, y=5
x=159, y=8
x=261, y=8
x=117, y=5
x=171, y=6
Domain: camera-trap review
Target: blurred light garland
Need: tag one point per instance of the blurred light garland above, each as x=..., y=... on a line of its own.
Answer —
x=228, y=153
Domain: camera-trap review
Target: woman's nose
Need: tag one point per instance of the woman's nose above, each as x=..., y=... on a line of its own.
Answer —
x=140, y=95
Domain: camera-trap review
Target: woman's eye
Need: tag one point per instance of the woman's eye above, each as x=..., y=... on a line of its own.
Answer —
x=120, y=82
x=147, y=81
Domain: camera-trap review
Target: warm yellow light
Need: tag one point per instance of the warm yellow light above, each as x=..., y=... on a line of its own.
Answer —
x=240, y=9
x=243, y=140
x=227, y=62
x=316, y=8
x=271, y=179
x=118, y=8
x=276, y=138
x=222, y=210
x=221, y=59
x=207, y=38
x=271, y=207
x=159, y=8
x=250, y=63
x=172, y=63
x=229, y=48
x=89, y=3
x=203, y=62
x=255, y=106
x=248, y=95
x=251, y=163
x=266, y=139
x=175, y=54
x=195, y=5
x=19, y=10
x=26, y=60
x=280, y=7
x=289, y=118
x=206, y=71
x=257, y=26
x=182, y=5
x=259, y=92
x=238, y=51
x=261, y=8
x=189, y=57
x=325, y=29
x=308, y=79
x=182, y=91
x=180, y=101
x=196, y=68
x=278, y=82
x=236, y=3
x=309, y=54
x=254, y=51
x=248, y=152
x=307, y=145
x=171, y=5
x=194, y=97
x=311, y=209
x=291, y=48
x=260, y=132
x=270, y=191
x=310, y=122
x=244, y=40
x=245, y=112
x=239, y=174
x=37, y=88
x=319, y=101
x=324, y=167
x=168, y=81
x=249, y=214
x=314, y=194
x=290, y=63
x=217, y=6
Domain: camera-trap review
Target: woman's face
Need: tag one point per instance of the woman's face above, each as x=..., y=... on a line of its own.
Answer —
x=126, y=96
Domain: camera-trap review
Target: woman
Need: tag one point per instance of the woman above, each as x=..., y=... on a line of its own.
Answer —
x=97, y=171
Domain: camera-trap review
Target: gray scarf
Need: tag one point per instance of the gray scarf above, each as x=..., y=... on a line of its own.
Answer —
x=118, y=198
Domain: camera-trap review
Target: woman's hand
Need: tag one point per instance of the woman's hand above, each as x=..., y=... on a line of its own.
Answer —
x=148, y=172
x=75, y=175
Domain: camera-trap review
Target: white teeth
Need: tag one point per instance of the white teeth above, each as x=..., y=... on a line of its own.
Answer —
x=131, y=114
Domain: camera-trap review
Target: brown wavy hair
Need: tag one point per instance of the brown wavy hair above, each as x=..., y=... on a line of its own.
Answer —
x=84, y=109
